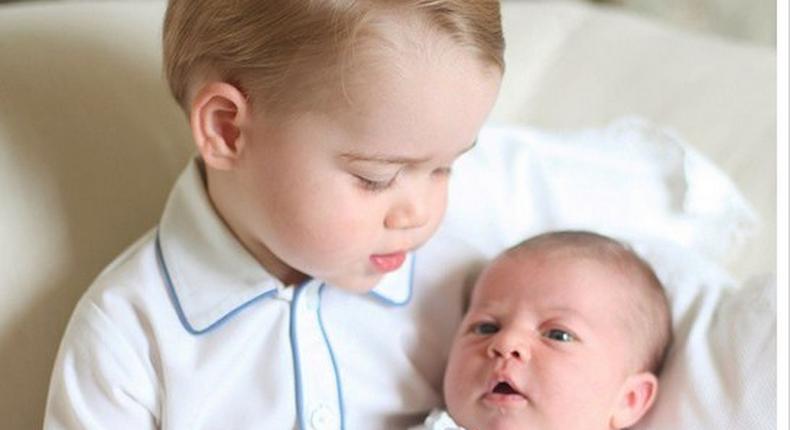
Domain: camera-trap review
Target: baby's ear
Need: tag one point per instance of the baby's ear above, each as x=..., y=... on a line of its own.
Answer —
x=635, y=398
x=218, y=112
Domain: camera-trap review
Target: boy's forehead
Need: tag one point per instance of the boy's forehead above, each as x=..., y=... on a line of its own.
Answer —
x=429, y=105
x=398, y=47
x=382, y=71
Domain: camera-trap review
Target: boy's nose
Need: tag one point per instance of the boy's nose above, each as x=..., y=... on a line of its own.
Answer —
x=509, y=345
x=410, y=213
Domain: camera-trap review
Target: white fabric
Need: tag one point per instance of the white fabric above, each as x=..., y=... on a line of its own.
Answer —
x=438, y=419
x=631, y=180
x=721, y=370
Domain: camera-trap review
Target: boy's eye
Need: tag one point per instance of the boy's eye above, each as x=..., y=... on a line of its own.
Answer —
x=442, y=171
x=375, y=185
x=559, y=335
x=485, y=328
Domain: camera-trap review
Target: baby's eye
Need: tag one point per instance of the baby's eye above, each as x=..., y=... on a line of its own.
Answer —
x=485, y=328
x=375, y=185
x=559, y=335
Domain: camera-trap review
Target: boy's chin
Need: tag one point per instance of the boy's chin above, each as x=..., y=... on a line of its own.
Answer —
x=361, y=284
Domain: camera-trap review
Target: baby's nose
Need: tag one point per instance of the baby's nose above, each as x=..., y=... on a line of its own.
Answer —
x=509, y=346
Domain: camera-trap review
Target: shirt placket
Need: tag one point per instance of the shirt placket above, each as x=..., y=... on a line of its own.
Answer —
x=318, y=390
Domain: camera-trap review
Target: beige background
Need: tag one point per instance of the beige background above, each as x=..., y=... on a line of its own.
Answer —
x=751, y=21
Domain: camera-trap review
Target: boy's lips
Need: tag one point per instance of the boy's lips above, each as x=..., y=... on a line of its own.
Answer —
x=388, y=262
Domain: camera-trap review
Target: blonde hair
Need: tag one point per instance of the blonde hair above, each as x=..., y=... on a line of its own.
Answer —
x=291, y=53
x=648, y=317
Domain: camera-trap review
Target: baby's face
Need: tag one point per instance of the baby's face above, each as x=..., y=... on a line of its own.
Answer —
x=543, y=346
x=343, y=195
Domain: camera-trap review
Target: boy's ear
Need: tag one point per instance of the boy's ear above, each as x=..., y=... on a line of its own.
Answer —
x=218, y=113
x=635, y=398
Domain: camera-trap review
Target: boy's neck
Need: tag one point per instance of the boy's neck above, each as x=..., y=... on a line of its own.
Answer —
x=217, y=186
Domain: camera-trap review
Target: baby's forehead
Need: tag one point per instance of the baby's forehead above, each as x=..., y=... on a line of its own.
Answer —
x=562, y=268
x=562, y=281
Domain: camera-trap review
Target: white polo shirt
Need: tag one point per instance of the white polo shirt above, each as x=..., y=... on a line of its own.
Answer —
x=186, y=330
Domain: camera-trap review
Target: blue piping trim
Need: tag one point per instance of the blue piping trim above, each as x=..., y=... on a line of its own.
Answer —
x=171, y=292
x=393, y=303
x=334, y=362
x=297, y=359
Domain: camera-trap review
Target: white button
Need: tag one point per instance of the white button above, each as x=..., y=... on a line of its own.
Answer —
x=285, y=293
x=323, y=418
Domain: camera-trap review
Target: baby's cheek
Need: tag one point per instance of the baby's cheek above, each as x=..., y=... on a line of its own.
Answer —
x=457, y=379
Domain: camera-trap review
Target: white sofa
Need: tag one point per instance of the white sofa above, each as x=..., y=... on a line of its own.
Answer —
x=90, y=141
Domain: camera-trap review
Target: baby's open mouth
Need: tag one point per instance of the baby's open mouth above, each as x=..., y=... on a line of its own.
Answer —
x=504, y=394
x=504, y=388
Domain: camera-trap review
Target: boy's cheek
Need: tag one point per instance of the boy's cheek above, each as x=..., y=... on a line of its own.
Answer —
x=326, y=234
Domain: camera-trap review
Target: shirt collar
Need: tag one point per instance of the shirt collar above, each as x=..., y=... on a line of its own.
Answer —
x=210, y=276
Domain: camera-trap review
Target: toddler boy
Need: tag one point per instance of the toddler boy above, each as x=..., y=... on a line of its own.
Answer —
x=276, y=291
x=565, y=331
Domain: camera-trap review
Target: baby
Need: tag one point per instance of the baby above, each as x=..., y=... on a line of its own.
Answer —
x=565, y=331
x=280, y=288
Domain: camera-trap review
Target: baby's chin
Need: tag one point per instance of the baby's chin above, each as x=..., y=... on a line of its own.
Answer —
x=492, y=419
x=497, y=424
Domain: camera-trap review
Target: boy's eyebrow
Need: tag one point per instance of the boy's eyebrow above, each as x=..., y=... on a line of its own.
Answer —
x=383, y=159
